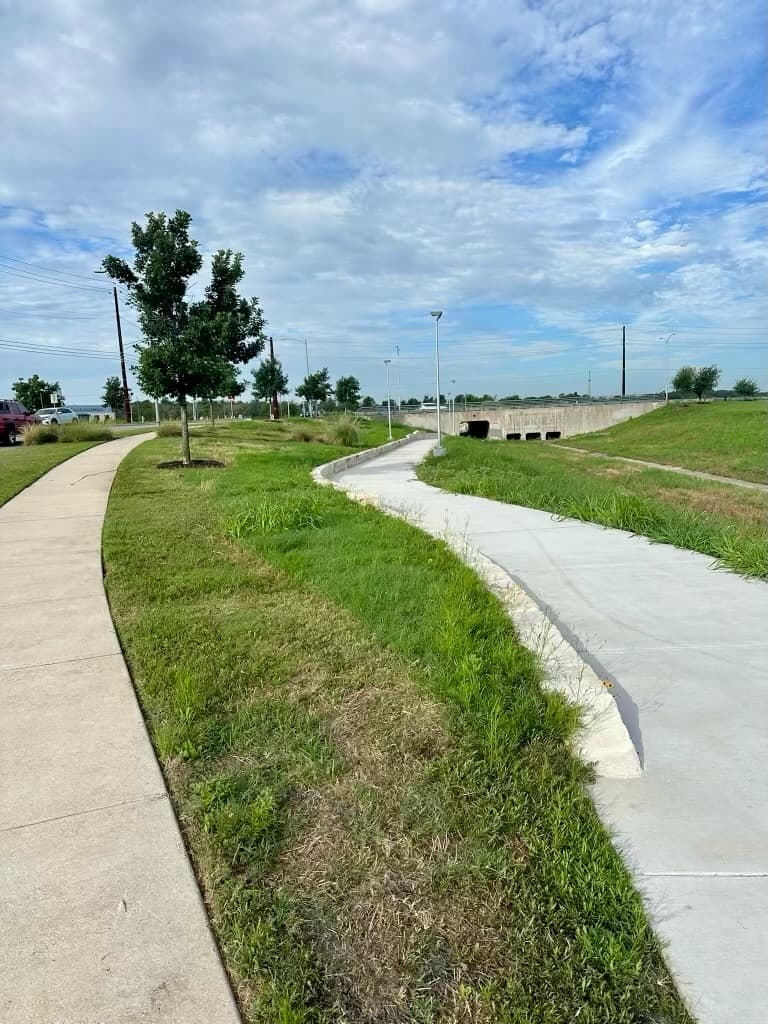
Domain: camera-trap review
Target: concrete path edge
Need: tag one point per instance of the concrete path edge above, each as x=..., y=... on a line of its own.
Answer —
x=603, y=739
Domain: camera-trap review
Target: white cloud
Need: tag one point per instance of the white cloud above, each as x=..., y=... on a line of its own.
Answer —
x=557, y=165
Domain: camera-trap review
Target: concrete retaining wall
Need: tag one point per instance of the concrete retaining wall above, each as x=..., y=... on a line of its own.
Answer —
x=567, y=420
x=325, y=473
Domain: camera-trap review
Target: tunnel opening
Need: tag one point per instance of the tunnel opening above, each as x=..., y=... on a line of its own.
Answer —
x=475, y=428
x=552, y=435
x=533, y=435
x=514, y=437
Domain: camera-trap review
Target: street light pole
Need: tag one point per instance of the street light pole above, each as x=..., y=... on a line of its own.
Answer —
x=399, y=394
x=389, y=400
x=666, y=365
x=437, y=313
x=453, y=406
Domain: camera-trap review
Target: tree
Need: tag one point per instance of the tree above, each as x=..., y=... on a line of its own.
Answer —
x=35, y=393
x=369, y=402
x=746, y=387
x=412, y=403
x=188, y=348
x=705, y=380
x=348, y=392
x=113, y=394
x=684, y=380
x=315, y=387
x=269, y=381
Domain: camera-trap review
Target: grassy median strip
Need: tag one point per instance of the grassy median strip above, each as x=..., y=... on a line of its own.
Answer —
x=378, y=797
x=728, y=523
x=20, y=466
x=725, y=438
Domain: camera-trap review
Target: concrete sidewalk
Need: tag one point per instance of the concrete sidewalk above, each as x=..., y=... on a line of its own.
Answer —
x=686, y=648
x=101, y=918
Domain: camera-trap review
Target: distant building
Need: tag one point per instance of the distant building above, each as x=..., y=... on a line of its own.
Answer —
x=96, y=413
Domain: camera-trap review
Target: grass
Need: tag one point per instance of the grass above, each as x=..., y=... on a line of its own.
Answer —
x=726, y=522
x=379, y=799
x=725, y=438
x=69, y=433
x=21, y=466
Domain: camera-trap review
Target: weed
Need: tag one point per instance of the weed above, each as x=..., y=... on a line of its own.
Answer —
x=71, y=433
x=171, y=428
x=343, y=430
x=276, y=515
x=40, y=433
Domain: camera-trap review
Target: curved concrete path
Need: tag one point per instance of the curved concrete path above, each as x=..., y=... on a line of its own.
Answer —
x=686, y=646
x=101, y=918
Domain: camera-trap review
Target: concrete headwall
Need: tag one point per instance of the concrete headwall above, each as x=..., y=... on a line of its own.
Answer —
x=567, y=420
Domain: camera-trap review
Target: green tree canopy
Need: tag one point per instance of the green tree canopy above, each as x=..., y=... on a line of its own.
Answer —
x=684, y=380
x=35, y=393
x=348, y=392
x=113, y=394
x=316, y=387
x=746, y=387
x=188, y=348
x=269, y=381
x=705, y=380
x=369, y=402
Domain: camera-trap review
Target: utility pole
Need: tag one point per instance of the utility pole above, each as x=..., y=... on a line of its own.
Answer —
x=389, y=401
x=274, y=412
x=623, y=360
x=126, y=393
x=306, y=356
x=399, y=395
x=589, y=383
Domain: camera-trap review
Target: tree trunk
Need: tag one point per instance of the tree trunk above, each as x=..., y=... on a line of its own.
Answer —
x=186, y=457
x=210, y=410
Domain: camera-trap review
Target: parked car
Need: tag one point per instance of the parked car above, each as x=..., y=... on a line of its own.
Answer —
x=13, y=418
x=61, y=414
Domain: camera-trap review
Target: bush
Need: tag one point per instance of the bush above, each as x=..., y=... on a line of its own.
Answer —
x=171, y=428
x=40, y=433
x=301, y=433
x=72, y=432
x=343, y=430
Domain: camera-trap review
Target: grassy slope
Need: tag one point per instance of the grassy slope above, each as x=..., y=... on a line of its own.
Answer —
x=725, y=522
x=21, y=466
x=726, y=438
x=378, y=797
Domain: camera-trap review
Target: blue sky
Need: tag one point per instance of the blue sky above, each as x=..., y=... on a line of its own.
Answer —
x=541, y=172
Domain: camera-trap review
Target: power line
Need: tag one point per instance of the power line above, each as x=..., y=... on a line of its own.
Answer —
x=45, y=270
x=27, y=276
x=8, y=345
x=50, y=316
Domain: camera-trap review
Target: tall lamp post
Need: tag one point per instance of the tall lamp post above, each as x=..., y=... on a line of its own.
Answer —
x=666, y=364
x=453, y=406
x=389, y=400
x=438, y=449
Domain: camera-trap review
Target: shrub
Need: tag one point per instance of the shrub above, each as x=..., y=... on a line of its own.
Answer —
x=72, y=432
x=171, y=428
x=40, y=433
x=343, y=430
x=301, y=433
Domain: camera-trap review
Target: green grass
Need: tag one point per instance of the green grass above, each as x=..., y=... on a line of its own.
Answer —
x=725, y=438
x=726, y=522
x=379, y=799
x=21, y=466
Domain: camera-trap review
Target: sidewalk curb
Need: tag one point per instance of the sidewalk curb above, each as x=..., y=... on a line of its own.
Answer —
x=603, y=738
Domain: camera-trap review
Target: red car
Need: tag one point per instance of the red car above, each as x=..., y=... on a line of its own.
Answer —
x=13, y=418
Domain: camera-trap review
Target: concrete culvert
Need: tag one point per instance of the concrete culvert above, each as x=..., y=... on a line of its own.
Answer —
x=514, y=437
x=475, y=428
x=534, y=435
x=552, y=435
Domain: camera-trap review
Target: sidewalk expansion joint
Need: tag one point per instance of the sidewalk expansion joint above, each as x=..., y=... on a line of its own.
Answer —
x=150, y=798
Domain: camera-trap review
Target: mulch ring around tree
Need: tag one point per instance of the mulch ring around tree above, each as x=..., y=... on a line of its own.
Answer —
x=195, y=464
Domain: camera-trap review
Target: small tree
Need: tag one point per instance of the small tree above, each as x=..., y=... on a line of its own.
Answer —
x=269, y=381
x=746, y=387
x=112, y=395
x=188, y=348
x=368, y=402
x=316, y=387
x=705, y=380
x=35, y=393
x=348, y=392
x=684, y=380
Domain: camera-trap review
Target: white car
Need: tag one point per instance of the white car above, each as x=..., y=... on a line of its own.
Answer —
x=61, y=414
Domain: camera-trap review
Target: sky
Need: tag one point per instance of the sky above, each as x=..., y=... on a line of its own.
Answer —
x=542, y=172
